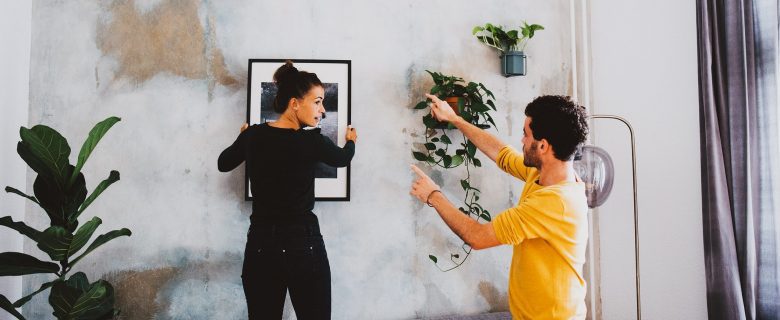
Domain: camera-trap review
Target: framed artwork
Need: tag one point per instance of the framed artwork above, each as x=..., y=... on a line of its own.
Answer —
x=330, y=184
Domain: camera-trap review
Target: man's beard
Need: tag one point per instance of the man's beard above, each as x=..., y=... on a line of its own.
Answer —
x=531, y=158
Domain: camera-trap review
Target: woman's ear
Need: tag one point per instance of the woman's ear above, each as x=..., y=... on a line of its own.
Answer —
x=293, y=103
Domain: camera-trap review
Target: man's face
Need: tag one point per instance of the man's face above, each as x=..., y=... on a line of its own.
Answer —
x=530, y=146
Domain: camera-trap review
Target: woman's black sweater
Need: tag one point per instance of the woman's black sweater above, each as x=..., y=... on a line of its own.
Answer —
x=281, y=164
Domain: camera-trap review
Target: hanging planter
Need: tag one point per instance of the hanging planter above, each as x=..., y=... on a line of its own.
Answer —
x=446, y=149
x=513, y=63
x=510, y=43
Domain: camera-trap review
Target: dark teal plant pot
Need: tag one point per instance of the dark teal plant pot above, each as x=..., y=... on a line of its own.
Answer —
x=513, y=64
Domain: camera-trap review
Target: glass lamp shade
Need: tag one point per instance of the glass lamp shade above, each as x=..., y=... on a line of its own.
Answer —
x=595, y=168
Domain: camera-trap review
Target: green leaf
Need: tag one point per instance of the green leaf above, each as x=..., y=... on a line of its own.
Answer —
x=430, y=146
x=477, y=29
x=435, y=139
x=7, y=306
x=445, y=139
x=421, y=105
x=457, y=160
x=477, y=163
x=471, y=149
x=478, y=107
x=440, y=153
x=455, y=255
x=21, y=227
x=14, y=190
x=78, y=281
x=55, y=241
x=419, y=156
x=60, y=203
x=101, y=240
x=62, y=299
x=97, y=133
x=512, y=34
x=49, y=150
x=435, y=89
x=27, y=298
x=429, y=121
x=485, y=217
x=433, y=258
x=83, y=234
x=490, y=119
x=18, y=264
x=447, y=161
x=465, y=185
x=96, y=303
x=112, y=177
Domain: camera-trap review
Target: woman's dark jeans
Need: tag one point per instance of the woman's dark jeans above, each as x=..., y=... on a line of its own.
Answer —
x=279, y=257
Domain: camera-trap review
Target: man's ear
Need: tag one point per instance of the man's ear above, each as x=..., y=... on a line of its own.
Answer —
x=544, y=146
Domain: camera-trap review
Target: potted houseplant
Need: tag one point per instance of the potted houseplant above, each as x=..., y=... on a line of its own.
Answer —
x=511, y=44
x=61, y=191
x=473, y=102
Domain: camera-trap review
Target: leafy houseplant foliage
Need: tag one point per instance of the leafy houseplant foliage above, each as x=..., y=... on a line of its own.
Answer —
x=474, y=104
x=505, y=41
x=61, y=191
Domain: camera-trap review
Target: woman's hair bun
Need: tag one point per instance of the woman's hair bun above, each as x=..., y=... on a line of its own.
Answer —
x=285, y=73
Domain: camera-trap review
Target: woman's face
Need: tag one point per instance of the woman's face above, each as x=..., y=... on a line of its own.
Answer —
x=310, y=107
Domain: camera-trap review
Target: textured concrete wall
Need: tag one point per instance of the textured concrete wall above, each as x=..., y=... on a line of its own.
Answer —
x=14, y=79
x=175, y=71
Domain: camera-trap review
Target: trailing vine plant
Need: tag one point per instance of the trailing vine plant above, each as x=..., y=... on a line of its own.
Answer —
x=473, y=102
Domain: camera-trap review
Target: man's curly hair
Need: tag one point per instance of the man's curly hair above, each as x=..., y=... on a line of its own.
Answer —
x=559, y=120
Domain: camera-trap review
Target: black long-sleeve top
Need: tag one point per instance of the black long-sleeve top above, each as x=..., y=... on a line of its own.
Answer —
x=281, y=164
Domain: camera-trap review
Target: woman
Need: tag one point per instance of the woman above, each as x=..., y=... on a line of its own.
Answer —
x=284, y=248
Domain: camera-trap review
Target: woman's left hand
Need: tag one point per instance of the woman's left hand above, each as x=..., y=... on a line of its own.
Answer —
x=423, y=186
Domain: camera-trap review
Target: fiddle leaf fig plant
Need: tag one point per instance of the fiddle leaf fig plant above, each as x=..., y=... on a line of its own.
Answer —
x=504, y=41
x=60, y=190
x=474, y=103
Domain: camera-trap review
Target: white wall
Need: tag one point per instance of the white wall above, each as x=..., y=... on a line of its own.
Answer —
x=14, y=81
x=644, y=68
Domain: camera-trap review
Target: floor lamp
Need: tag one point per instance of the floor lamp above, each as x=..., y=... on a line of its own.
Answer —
x=595, y=167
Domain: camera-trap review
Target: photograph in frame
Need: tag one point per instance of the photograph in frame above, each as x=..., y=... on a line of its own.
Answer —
x=331, y=184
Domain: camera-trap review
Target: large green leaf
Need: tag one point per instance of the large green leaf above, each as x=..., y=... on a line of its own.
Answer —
x=62, y=299
x=49, y=149
x=52, y=198
x=7, y=306
x=27, y=298
x=113, y=176
x=55, y=241
x=61, y=203
x=89, y=145
x=18, y=264
x=77, y=299
x=14, y=190
x=96, y=303
x=21, y=227
x=83, y=234
x=101, y=240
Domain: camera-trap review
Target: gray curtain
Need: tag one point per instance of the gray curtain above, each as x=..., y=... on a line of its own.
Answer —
x=738, y=93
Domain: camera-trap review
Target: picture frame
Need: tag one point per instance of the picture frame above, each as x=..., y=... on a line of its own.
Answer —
x=331, y=184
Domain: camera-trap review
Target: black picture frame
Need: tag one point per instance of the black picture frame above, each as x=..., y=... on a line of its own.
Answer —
x=260, y=74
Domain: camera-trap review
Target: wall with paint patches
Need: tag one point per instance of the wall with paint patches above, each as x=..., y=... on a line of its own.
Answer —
x=175, y=72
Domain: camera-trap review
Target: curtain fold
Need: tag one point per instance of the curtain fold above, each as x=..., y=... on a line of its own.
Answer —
x=738, y=93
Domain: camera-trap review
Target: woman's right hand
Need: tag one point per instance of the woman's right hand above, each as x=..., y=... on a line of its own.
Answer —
x=246, y=125
x=351, y=134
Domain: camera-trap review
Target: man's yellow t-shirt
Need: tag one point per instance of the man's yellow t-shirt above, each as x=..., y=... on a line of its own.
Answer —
x=549, y=231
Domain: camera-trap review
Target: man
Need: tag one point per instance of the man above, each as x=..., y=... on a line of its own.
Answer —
x=549, y=227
